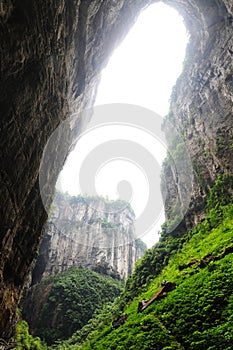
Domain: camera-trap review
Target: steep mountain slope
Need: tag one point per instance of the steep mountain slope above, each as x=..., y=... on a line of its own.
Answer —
x=197, y=314
x=61, y=304
x=51, y=57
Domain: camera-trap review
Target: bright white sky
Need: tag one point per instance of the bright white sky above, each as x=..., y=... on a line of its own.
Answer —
x=141, y=71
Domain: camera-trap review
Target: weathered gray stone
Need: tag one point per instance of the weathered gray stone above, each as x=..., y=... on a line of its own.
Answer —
x=202, y=108
x=89, y=232
x=51, y=55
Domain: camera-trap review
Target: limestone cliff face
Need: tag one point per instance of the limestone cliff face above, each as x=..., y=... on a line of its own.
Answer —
x=89, y=232
x=51, y=55
x=202, y=108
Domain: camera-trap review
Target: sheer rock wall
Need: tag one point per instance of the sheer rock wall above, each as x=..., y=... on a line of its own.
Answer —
x=89, y=232
x=202, y=106
x=51, y=55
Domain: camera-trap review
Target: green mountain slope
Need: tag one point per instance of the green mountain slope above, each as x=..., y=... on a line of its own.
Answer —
x=61, y=304
x=198, y=314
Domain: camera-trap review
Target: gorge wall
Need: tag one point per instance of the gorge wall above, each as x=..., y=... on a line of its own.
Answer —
x=202, y=108
x=89, y=232
x=51, y=56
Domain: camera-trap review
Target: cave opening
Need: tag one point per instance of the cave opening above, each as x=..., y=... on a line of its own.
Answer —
x=141, y=71
x=42, y=80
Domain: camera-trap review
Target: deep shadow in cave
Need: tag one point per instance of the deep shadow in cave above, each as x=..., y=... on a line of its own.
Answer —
x=51, y=56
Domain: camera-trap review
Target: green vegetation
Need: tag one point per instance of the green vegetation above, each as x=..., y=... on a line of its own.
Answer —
x=197, y=315
x=107, y=224
x=220, y=147
x=140, y=244
x=199, y=178
x=111, y=205
x=221, y=193
x=67, y=301
x=93, y=326
x=24, y=341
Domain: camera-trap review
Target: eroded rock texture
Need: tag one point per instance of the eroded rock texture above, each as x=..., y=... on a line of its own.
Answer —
x=90, y=232
x=202, y=106
x=51, y=55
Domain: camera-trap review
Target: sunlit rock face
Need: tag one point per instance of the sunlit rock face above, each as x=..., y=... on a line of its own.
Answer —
x=51, y=55
x=90, y=232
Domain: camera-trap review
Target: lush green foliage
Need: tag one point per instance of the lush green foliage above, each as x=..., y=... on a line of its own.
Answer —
x=151, y=264
x=93, y=326
x=197, y=315
x=69, y=300
x=24, y=341
x=221, y=193
x=156, y=258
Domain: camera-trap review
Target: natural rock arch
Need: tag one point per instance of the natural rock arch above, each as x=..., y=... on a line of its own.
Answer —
x=51, y=55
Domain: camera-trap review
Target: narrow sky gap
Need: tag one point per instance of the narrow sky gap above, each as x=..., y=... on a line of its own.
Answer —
x=145, y=67
x=141, y=71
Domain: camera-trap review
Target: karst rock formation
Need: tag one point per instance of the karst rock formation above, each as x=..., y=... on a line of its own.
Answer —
x=52, y=53
x=90, y=232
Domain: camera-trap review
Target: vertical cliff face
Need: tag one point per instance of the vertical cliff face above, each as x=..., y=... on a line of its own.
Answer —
x=90, y=232
x=51, y=55
x=202, y=108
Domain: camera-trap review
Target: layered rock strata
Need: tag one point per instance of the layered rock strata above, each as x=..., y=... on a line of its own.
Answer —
x=90, y=232
x=51, y=55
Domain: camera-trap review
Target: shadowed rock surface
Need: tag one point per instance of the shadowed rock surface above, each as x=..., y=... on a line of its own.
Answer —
x=51, y=55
